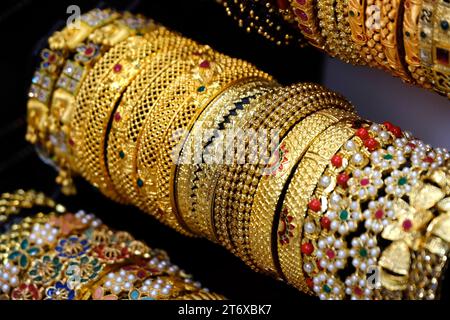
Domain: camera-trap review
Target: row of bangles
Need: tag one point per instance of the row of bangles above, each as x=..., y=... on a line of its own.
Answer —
x=408, y=38
x=289, y=179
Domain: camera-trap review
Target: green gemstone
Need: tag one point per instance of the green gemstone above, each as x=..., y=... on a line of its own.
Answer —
x=352, y=14
x=23, y=261
x=140, y=183
x=326, y=288
x=122, y=154
x=343, y=215
x=363, y=252
x=402, y=181
x=388, y=156
x=201, y=88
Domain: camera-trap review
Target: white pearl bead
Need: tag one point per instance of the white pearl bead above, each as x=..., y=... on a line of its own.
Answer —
x=310, y=227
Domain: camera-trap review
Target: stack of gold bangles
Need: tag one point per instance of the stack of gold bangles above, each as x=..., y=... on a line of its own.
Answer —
x=408, y=38
x=289, y=179
x=49, y=253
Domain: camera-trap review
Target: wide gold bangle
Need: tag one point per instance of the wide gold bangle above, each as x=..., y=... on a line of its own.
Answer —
x=391, y=17
x=136, y=103
x=295, y=202
x=270, y=188
x=195, y=173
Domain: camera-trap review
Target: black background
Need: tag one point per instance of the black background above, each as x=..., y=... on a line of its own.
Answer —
x=24, y=27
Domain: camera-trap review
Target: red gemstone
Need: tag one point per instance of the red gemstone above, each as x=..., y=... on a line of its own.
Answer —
x=365, y=182
x=315, y=205
x=428, y=159
x=411, y=145
x=310, y=283
x=117, y=116
x=358, y=291
x=379, y=214
x=117, y=68
x=371, y=144
x=301, y=2
x=307, y=248
x=397, y=132
x=89, y=51
x=325, y=222
x=301, y=14
x=204, y=64
x=342, y=179
x=71, y=142
x=407, y=224
x=336, y=160
x=51, y=58
x=330, y=254
x=388, y=125
x=363, y=133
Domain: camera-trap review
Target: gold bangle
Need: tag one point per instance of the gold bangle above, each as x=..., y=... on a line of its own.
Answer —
x=391, y=16
x=295, y=202
x=441, y=48
x=269, y=189
x=373, y=32
x=411, y=14
x=90, y=145
x=194, y=177
x=425, y=25
x=136, y=104
x=246, y=177
x=334, y=45
x=305, y=13
x=236, y=73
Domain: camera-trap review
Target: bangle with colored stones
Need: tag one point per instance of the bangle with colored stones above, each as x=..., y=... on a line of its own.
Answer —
x=269, y=190
x=90, y=144
x=235, y=73
x=411, y=35
x=441, y=48
x=425, y=25
x=136, y=103
x=370, y=171
x=357, y=23
x=295, y=202
x=305, y=13
x=195, y=173
x=65, y=256
x=143, y=171
x=391, y=16
x=264, y=18
x=329, y=25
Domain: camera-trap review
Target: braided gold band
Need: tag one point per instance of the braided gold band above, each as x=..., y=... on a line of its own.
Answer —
x=270, y=187
x=299, y=191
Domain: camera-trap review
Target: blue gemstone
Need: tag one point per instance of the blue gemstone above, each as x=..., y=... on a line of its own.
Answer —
x=140, y=183
x=444, y=25
x=201, y=88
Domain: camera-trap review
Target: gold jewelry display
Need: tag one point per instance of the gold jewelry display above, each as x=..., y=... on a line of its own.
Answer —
x=74, y=256
x=288, y=179
x=407, y=38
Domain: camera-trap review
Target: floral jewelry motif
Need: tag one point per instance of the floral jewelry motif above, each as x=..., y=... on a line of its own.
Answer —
x=72, y=247
x=117, y=282
x=364, y=252
x=51, y=61
x=61, y=291
x=22, y=255
x=26, y=292
x=67, y=223
x=279, y=163
x=43, y=234
x=378, y=215
x=84, y=270
x=400, y=183
x=98, y=293
x=388, y=159
x=111, y=253
x=328, y=287
x=9, y=277
x=365, y=183
x=332, y=253
x=87, y=53
x=358, y=288
x=45, y=269
x=343, y=213
x=286, y=226
x=153, y=288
